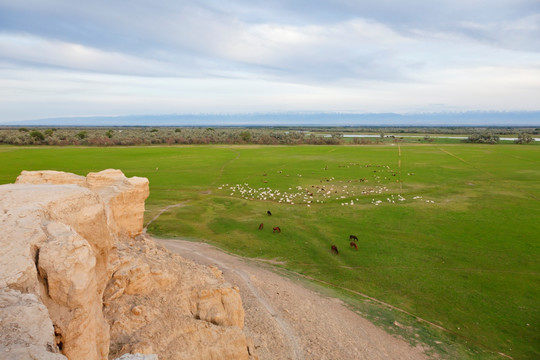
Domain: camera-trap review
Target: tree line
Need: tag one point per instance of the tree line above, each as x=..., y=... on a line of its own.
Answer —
x=124, y=136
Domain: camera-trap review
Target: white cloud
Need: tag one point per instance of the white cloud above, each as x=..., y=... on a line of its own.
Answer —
x=46, y=52
x=179, y=56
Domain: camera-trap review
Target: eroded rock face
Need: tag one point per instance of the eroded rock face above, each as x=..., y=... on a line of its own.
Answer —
x=50, y=177
x=158, y=300
x=26, y=328
x=77, y=277
x=124, y=199
x=59, y=245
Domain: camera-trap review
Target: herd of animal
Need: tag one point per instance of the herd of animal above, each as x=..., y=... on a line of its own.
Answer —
x=352, y=244
x=333, y=248
x=275, y=229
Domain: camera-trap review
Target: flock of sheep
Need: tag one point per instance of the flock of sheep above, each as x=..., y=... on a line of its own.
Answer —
x=348, y=193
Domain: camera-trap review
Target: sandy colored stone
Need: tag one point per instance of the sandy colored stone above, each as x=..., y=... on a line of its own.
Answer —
x=67, y=265
x=94, y=288
x=137, y=356
x=219, y=306
x=124, y=198
x=26, y=328
x=193, y=314
x=50, y=177
x=60, y=230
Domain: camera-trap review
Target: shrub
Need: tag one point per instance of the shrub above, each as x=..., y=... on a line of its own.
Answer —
x=483, y=139
x=37, y=135
x=524, y=139
x=245, y=135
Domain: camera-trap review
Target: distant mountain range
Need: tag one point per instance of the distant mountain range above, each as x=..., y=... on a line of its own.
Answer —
x=471, y=118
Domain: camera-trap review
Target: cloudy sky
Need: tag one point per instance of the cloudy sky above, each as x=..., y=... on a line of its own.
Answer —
x=103, y=57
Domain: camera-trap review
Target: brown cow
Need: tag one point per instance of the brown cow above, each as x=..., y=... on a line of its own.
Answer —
x=334, y=250
x=353, y=237
x=353, y=245
x=276, y=229
x=261, y=226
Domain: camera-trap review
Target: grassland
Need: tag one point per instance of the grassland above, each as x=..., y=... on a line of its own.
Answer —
x=462, y=250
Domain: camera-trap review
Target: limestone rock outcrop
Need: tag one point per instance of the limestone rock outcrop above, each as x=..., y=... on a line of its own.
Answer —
x=27, y=330
x=79, y=280
x=158, y=300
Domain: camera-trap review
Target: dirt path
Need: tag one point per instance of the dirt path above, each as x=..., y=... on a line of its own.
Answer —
x=161, y=212
x=288, y=321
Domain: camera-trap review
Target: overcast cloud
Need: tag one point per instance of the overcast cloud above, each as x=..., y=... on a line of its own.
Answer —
x=65, y=57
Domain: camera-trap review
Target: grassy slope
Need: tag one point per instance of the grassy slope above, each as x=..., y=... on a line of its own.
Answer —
x=468, y=261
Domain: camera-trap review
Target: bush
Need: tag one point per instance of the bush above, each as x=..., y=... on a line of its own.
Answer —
x=483, y=139
x=524, y=139
x=245, y=135
x=37, y=135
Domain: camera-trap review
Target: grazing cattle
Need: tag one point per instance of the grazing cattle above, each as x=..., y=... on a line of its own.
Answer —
x=276, y=229
x=353, y=237
x=353, y=245
x=334, y=250
x=261, y=226
x=268, y=212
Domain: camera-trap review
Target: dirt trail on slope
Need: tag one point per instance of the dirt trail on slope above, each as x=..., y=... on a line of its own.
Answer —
x=288, y=321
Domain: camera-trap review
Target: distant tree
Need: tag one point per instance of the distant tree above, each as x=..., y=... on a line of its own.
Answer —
x=81, y=135
x=109, y=134
x=48, y=132
x=524, y=139
x=37, y=135
x=177, y=130
x=154, y=130
x=23, y=129
x=483, y=138
x=245, y=135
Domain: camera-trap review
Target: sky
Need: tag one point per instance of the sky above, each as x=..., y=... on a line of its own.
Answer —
x=86, y=58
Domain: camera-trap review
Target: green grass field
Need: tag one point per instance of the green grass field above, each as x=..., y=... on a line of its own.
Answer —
x=460, y=248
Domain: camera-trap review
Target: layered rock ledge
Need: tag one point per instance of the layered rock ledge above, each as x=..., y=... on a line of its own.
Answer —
x=79, y=280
